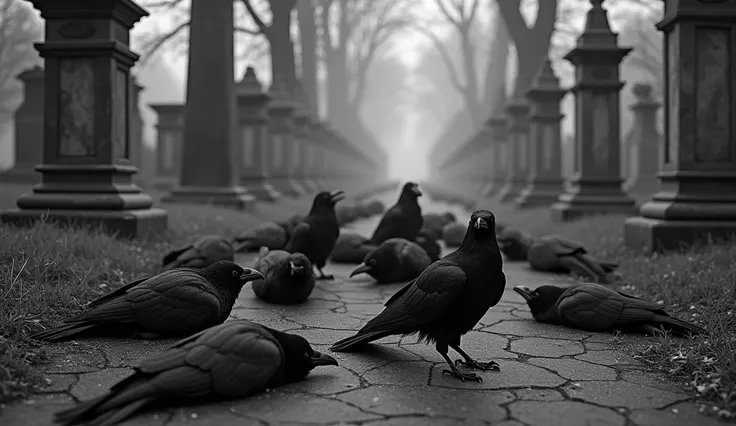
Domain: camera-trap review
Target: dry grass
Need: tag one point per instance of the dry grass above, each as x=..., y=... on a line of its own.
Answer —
x=697, y=285
x=48, y=274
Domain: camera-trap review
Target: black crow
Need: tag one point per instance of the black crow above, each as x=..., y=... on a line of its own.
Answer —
x=395, y=260
x=447, y=300
x=350, y=248
x=555, y=254
x=429, y=245
x=203, y=252
x=316, y=234
x=403, y=219
x=594, y=307
x=229, y=361
x=271, y=235
x=174, y=303
x=289, y=278
x=515, y=244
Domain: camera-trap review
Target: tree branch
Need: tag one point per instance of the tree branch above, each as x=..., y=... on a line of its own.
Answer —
x=265, y=29
x=152, y=47
x=446, y=58
x=247, y=31
x=515, y=23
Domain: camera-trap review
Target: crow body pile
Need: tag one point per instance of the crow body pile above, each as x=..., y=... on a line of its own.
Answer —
x=444, y=298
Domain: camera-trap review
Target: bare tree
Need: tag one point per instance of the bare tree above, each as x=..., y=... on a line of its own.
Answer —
x=20, y=27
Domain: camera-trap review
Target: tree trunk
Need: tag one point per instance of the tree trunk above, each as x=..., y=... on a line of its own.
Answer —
x=282, y=46
x=498, y=58
x=308, y=38
x=471, y=94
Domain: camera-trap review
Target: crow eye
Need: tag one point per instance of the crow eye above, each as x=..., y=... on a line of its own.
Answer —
x=236, y=273
x=306, y=355
x=372, y=261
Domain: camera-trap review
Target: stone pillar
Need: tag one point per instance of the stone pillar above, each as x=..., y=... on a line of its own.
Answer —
x=697, y=199
x=497, y=133
x=254, y=137
x=319, y=145
x=302, y=142
x=136, y=133
x=280, y=124
x=545, y=160
x=28, y=130
x=596, y=183
x=86, y=171
x=517, y=170
x=644, y=140
x=170, y=133
x=209, y=167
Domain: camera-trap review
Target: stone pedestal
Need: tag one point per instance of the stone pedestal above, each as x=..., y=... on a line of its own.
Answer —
x=595, y=187
x=301, y=142
x=320, y=147
x=136, y=133
x=545, y=175
x=517, y=170
x=209, y=167
x=280, y=126
x=169, y=141
x=498, y=133
x=28, y=130
x=86, y=170
x=697, y=199
x=644, y=140
x=253, y=122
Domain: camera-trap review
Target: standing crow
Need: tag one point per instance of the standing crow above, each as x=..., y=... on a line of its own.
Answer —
x=289, y=278
x=350, y=248
x=429, y=245
x=403, y=220
x=555, y=254
x=433, y=223
x=514, y=243
x=174, y=303
x=594, y=307
x=203, y=252
x=447, y=300
x=315, y=236
x=271, y=235
x=229, y=361
x=395, y=260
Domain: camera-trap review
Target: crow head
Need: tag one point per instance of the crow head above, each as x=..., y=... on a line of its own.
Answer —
x=542, y=301
x=299, y=357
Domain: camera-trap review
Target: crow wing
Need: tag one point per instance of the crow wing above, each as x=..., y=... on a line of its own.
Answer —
x=598, y=308
x=299, y=241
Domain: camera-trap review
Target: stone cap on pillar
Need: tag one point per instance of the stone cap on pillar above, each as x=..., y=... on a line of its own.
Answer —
x=546, y=85
x=125, y=12
x=643, y=97
x=597, y=44
x=301, y=110
x=497, y=126
x=169, y=114
x=34, y=74
x=280, y=101
x=249, y=89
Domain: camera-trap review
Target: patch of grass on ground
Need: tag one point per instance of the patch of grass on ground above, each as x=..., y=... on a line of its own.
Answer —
x=48, y=274
x=696, y=285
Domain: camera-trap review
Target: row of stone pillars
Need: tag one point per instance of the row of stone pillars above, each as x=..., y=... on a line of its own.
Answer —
x=694, y=197
x=91, y=137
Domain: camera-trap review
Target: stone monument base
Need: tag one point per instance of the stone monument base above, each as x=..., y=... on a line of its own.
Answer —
x=233, y=196
x=262, y=191
x=653, y=235
x=121, y=223
x=539, y=194
x=571, y=206
x=287, y=187
x=21, y=173
x=510, y=191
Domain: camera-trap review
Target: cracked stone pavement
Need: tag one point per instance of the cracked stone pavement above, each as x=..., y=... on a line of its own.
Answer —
x=549, y=375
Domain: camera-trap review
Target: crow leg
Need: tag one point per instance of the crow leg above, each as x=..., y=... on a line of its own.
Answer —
x=322, y=275
x=471, y=363
x=453, y=371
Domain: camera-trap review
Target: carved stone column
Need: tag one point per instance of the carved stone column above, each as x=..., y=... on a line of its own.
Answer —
x=644, y=140
x=28, y=129
x=209, y=168
x=545, y=176
x=170, y=133
x=86, y=170
x=517, y=170
x=254, y=137
x=300, y=147
x=136, y=133
x=595, y=187
x=697, y=199
x=280, y=124
x=498, y=132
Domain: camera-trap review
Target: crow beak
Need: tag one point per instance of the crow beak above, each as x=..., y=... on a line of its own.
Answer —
x=415, y=189
x=362, y=268
x=250, y=275
x=480, y=223
x=524, y=291
x=295, y=268
x=336, y=196
x=319, y=359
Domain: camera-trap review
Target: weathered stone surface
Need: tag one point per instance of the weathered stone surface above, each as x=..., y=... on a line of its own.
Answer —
x=564, y=413
x=646, y=378
x=609, y=358
x=551, y=348
x=328, y=320
x=624, y=394
x=683, y=414
x=535, y=329
x=431, y=421
x=281, y=407
x=91, y=385
x=483, y=346
x=513, y=374
x=128, y=352
x=401, y=373
x=326, y=382
x=572, y=369
x=70, y=358
x=58, y=383
x=530, y=394
x=465, y=404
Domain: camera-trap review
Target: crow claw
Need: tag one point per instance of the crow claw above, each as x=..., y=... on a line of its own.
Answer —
x=462, y=376
x=475, y=365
